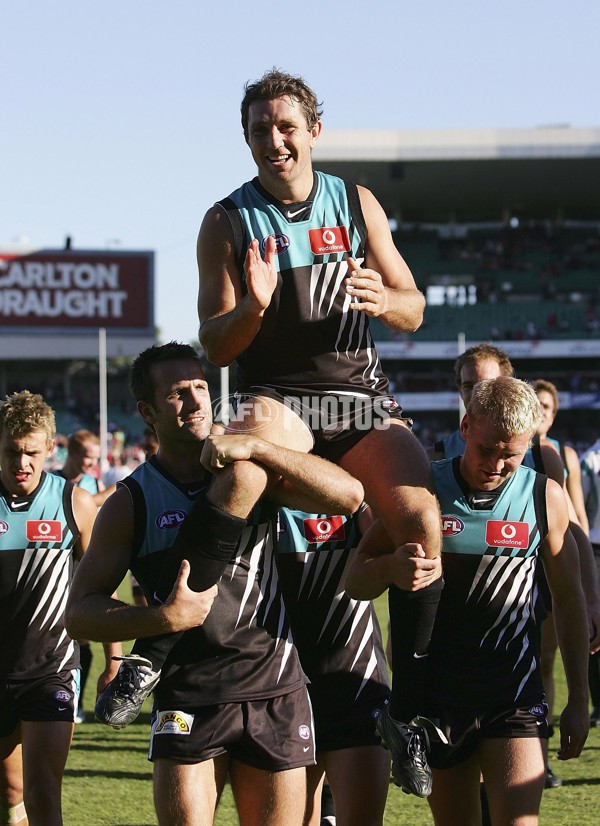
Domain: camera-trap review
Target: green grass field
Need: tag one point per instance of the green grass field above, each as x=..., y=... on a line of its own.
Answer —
x=108, y=778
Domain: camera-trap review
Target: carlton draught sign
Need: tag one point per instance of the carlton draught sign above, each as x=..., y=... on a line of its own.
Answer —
x=64, y=288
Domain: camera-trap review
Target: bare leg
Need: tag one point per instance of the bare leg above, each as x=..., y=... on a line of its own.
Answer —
x=268, y=798
x=187, y=795
x=315, y=776
x=359, y=779
x=513, y=772
x=11, y=778
x=45, y=751
x=454, y=800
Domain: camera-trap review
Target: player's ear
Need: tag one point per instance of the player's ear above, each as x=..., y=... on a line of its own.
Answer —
x=146, y=411
x=464, y=426
x=315, y=132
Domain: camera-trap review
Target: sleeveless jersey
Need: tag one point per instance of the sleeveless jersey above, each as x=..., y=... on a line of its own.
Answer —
x=36, y=568
x=590, y=482
x=451, y=445
x=484, y=651
x=309, y=338
x=87, y=482
x=338, y=638
x=244, y=649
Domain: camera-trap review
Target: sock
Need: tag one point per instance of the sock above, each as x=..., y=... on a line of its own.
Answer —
x=594, y=678
x=412, y=615
x=85, y=660
x=208, y=539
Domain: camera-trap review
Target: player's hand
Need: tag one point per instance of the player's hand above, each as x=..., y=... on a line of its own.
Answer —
x=223, y=449
x=185, y=608
x=366, y=290
x=594, y=627
x=574, y=729
x=107, y=676
x=261, y=274
x=412, y=571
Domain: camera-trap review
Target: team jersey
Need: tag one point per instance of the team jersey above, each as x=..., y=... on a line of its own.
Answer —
x=309, y=338
x=483, y=650
x=338, y=638
x=37, y=538
x=86, y=482
x=451, y=445
x=590, y=483
x=244, y=649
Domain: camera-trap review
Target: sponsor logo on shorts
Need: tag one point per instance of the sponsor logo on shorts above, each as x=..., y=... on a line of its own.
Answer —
x=452, y=525
x=173, y=722
x=282, y=242
x=49, y=530
x=507, y=534
x=167, y=520
x=62, y=696
x=331, y=529
x=304, y=732
x=329, y=239
x=4, y=527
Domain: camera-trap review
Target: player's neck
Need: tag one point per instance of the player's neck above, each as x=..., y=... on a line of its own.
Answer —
x=181, y=462
x=289, y=192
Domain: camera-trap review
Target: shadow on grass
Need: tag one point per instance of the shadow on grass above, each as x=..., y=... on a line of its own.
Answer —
x=111, y=774
x=582, y=781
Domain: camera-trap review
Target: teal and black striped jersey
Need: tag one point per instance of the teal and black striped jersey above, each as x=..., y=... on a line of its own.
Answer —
x=309, y=338
x=244, y=649
x=484, y=648
x=37, y=538
x=338, y=638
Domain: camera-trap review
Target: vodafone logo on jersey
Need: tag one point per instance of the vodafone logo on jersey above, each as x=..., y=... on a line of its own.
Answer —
x=507, y=534
x=49, y=530
x=329, y=529
x=329, y=239
x=452, y=525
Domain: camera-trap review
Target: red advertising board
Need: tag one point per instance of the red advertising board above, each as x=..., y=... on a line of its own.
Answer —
x=69, y=289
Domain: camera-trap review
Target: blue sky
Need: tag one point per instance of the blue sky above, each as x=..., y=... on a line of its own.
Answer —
x=121, y=124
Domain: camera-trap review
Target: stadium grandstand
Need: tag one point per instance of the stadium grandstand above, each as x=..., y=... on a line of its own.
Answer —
x=501, y=229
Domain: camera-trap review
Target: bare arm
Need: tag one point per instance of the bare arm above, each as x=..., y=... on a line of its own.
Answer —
x=554, y=467
x=561, y=564
x=229, y=318
x=574, y=487
x=93, y=612
x=85, y=511
x=377, y=565
x=306, y=482
x=384, y=288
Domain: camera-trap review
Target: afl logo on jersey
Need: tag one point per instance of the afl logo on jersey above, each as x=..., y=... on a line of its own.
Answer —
x=49, y=530
x=452, y=526
x=282, y=242
x=4, y=527
x=167, y=520
x=507, y=534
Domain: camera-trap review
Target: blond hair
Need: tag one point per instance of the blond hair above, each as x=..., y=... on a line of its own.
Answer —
x=24, y=412
x=511, y=405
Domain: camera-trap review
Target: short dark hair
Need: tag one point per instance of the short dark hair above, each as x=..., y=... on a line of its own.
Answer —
x=277, y=84
x=483, y=352
x=141, y=382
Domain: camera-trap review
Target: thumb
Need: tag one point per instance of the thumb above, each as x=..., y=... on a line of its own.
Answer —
x=352, y=265
x=184, y=572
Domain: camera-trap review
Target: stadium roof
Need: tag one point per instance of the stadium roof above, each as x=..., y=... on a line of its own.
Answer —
x=471, y=175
